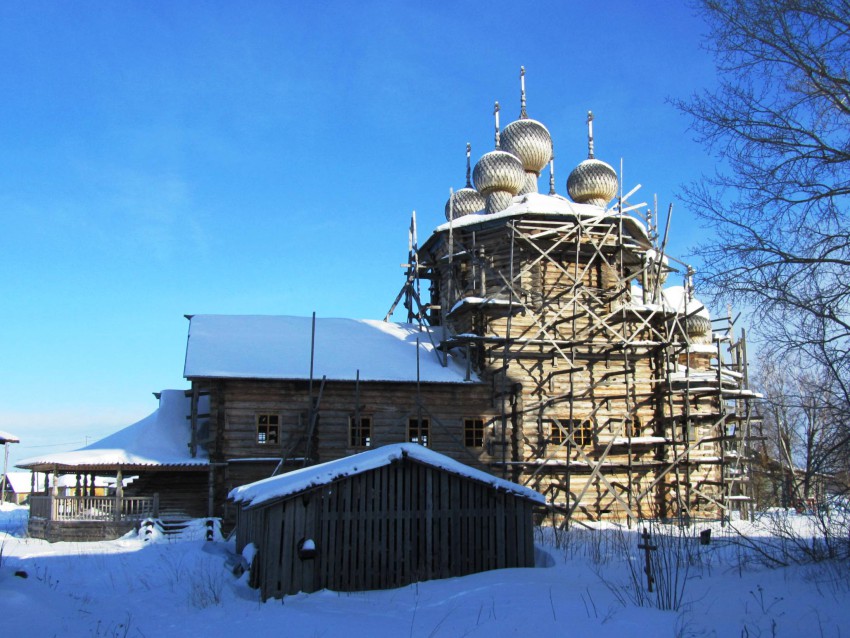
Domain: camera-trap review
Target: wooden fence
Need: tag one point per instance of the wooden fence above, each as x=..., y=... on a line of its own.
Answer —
x=94, y=508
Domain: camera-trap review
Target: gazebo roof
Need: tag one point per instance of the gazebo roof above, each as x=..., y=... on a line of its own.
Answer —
x=159, y=441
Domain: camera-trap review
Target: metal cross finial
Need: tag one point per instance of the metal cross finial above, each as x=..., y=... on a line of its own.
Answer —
x=590, y=134
x=522, y=114
x=689, y=284
x=552, y=174
x=649, y=222
x=468, y=153
x=496, y=113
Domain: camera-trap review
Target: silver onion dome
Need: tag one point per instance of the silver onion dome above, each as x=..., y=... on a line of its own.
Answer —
x=463, y=202
x=530, y=141
x=467, y=200
x=498, y=171
x=592, y=182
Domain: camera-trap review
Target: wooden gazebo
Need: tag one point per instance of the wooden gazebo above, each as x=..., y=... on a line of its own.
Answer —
x=168, y=480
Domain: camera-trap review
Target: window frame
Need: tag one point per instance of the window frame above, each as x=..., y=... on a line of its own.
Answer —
x=632, y=427
x=268, y=432
x=473, y=430
x=419, y=429
x=557, y=436
x=360, y=434
x=582, y=432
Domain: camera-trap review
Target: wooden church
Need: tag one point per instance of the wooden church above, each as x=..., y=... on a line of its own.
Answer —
x=544, y=344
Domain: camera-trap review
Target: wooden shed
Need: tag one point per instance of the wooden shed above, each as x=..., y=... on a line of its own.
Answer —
x=381, y=519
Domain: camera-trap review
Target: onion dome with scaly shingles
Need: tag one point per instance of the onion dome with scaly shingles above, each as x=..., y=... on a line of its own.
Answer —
x=698, y=328
x=529, y=140
x=593, y=181
x=498, y=175
x=498, y=172
x=464, y=202
x=467, y=200
x=531, y=143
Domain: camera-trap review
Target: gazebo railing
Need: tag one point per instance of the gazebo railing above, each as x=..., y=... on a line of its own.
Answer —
x=94, y=508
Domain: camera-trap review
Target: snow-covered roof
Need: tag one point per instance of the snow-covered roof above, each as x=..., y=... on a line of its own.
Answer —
x=476, y=302
x=21, y=482
x=686, y=373
x=639, y=440
x=5, y=437
x=673, y=299
x=278, y=347
x=161, y=438
x=538, y=203
x=325, y=473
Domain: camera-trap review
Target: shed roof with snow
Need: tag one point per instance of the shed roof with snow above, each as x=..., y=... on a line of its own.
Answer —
x=307, y=478
x=279, y=347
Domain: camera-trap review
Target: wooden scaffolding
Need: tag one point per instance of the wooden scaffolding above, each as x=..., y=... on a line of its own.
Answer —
x=614, y=402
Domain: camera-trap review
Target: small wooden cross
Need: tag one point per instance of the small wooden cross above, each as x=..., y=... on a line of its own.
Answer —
x=647, y=547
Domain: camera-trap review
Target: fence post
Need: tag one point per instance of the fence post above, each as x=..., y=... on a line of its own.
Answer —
x=54, y=490
x=119, y=494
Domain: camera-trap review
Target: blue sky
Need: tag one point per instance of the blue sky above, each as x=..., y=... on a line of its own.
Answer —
x=167, y=158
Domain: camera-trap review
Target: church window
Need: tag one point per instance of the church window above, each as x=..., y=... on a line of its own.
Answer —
x=360, y=432
x=583, y=432
x=418, y=431
x=268, y=428
x=473, y=432
x=558, y=432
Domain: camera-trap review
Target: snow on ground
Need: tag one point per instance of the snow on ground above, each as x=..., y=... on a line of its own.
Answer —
x=129, y=587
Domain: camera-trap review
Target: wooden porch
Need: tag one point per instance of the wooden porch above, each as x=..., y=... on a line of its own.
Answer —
x=116, y=508
x=88, y=518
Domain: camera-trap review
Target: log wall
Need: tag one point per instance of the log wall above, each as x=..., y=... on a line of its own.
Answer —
x=238, y=458
x=181, y=494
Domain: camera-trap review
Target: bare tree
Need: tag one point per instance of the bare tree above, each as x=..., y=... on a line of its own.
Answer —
x=800, y=448
x=779, y=203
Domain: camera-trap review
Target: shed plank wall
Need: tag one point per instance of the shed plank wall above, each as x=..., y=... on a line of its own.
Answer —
x=388, y=527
